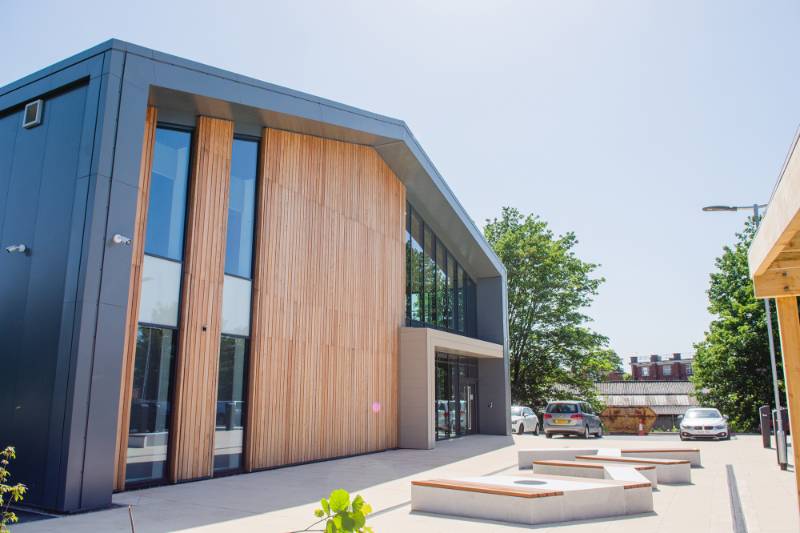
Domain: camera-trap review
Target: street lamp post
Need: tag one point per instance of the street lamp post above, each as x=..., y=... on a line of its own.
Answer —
x=780, y=434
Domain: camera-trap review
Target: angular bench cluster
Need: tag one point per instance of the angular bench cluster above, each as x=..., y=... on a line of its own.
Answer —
x=566, y=484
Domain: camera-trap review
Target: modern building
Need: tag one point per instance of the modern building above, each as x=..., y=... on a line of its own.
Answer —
x=206, y=274
x=667, y=399
x=657, y=368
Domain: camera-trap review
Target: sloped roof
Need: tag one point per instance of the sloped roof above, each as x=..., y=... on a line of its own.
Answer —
x=664, y=397
x=180, y=85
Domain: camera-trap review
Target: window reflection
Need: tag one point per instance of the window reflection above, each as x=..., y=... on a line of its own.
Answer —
x=148, y=430
x=229, y=433
x=166, y=210
x=241, y=208
x=236, y=308
x=150, y=405
x=439, y=293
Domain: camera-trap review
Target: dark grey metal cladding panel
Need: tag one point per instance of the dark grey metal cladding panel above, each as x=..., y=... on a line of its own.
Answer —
x=99, y=338
x=492, y=318
x=43, y=180
x=17, y=94
x=490, y=309
x=51, y=74
x=494, y=409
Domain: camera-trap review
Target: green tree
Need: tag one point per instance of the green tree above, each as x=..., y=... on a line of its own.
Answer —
x=553, y=353
x=8, y=493
x=731, y=365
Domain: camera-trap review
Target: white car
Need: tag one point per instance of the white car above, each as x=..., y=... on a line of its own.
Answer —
x=524, y=419
x=704, y=423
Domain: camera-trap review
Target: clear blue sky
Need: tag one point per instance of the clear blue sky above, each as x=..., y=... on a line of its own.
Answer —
x=617, y=120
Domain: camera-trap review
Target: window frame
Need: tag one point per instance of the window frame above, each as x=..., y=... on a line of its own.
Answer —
x=461, y=318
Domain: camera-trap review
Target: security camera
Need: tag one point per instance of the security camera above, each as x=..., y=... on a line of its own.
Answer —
x=16, y=249
x=121, y=239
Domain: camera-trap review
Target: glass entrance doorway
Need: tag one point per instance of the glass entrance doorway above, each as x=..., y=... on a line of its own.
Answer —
x=456, y=404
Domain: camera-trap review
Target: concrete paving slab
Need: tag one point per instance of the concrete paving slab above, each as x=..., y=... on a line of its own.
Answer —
x=285, y=499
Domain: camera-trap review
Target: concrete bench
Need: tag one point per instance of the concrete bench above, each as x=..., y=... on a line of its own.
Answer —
x=667, y=470
x=596, y=470
x=535, y=499
x=687, y=454
x=525, y=458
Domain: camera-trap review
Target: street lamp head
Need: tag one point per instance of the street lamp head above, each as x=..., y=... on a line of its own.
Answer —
x=720, y=208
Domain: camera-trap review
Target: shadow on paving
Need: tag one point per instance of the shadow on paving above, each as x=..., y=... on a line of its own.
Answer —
x=239, y=496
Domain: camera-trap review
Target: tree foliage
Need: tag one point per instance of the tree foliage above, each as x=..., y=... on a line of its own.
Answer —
x=8, y=493
x=553, y=353
x=732, y=364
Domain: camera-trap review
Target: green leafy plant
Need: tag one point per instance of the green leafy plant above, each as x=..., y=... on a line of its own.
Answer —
x=341, y=515
x=8, y=493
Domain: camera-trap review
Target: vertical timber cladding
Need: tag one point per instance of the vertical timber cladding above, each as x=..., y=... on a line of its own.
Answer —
x=132, y=313
x=328, y=301
x=197, y=359
x=789, y=323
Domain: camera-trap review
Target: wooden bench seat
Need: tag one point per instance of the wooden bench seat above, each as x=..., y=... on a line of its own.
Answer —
x=486, y=488
x=531, y=499
x=633, y=460
x=667, y=470
x=689, y=454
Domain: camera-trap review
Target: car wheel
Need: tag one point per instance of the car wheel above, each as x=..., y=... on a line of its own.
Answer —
x=682, y=437
x=536, y=429
x=586, y=432
x=521, y=429
x=599, y=434
x=548, y=435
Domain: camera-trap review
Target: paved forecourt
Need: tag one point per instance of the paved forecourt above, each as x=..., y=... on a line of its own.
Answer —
x=284, y=499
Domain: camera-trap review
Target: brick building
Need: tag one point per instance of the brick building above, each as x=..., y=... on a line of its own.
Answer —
x=658, y=368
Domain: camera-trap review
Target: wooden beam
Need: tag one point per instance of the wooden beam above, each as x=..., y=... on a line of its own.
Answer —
x=781, y=224
x=793, y=245
x=777, y=283
x=132, y=312
x=789, y=325
x=197, y=359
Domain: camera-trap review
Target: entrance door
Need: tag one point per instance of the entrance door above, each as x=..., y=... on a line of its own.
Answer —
x=469, y=402
x=456, y=402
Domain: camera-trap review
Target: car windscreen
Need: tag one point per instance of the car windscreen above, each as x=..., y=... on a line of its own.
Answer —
x=702, y=413
x=516, y=411
x=562, y=408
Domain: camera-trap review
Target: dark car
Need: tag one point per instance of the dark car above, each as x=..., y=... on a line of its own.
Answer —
x=571, y=418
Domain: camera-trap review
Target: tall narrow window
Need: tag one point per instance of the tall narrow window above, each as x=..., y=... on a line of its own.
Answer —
x=460, y=300
x=416, y=272
x=429, y=278
x=439, y=292
x=148, y=440
x=441, y=285
x=237, y=291
x=451, y=292
x=166, y=213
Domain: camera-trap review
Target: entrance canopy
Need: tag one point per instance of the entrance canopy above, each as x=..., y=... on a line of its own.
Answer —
x=774, y=259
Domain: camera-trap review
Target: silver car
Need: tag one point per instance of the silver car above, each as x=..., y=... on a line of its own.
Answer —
x=524, y=419
x=571, y=418
x=705, y=423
